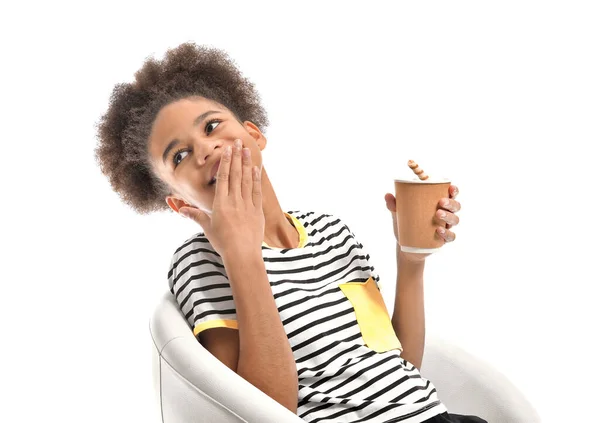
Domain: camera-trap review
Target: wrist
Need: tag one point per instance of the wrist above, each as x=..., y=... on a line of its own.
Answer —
x=242, y=255
x=410, y=259
x=410, y=269
x=242, y=265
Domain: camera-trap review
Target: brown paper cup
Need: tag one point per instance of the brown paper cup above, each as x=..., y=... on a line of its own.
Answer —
x=416, y=204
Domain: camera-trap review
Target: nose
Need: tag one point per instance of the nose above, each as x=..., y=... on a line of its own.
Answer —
x=205, y=148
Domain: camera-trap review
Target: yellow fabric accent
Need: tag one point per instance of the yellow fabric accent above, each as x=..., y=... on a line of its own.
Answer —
x=302, y=235
x=301, y=230
x=221, y=323
x=372, y=315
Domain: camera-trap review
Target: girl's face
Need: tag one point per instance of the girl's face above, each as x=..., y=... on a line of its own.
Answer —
x=187, y=140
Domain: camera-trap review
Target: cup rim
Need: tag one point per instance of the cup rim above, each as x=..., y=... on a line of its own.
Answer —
x=427, y=181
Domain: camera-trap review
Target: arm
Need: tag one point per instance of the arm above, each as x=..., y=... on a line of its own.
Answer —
x=408, y=318
x=265, y=355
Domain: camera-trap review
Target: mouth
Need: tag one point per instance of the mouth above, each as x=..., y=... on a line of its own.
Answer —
x=213, y=173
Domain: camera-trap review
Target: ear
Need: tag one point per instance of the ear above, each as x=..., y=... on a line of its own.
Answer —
x=256, y=134
x=175, y=203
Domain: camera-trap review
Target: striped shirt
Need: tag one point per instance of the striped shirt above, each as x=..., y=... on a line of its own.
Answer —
x=328, y=297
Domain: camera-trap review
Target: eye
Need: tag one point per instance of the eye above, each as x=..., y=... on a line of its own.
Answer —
x=209, y=123
x=176, y=154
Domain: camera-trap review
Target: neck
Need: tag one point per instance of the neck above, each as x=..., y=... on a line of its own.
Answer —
x=279, y=232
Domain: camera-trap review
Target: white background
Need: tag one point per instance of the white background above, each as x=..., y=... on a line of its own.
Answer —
x=501, y=97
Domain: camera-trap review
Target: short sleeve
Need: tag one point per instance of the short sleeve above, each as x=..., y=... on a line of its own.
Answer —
x=372, y=271
x=198, y=280
x=360, y=248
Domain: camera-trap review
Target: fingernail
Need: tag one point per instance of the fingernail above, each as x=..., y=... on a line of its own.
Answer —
x=238, y=143
x=184, y=212
x=442, y=231
x=443, y=214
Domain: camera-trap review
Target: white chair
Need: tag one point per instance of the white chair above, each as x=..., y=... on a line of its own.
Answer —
x=193, y=386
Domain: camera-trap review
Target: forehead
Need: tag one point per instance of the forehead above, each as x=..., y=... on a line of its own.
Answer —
x=180, y=114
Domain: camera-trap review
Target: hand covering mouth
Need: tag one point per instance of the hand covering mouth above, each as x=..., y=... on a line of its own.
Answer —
x=213, y=173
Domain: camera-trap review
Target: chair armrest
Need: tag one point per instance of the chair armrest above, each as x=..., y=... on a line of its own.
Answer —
x=198, y=381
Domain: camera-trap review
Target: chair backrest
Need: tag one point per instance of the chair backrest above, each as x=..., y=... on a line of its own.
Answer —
x=468, y=385
x=192, y=385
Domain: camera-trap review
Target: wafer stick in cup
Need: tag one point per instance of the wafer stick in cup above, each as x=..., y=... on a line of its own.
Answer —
x=417, y=170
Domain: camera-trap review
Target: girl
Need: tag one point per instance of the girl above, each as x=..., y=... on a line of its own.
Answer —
x=288, y=300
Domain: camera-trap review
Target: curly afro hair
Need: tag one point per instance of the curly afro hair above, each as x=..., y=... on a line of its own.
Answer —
x=123, y=131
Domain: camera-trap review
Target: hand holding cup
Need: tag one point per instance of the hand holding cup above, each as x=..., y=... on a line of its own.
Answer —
x=423, y=211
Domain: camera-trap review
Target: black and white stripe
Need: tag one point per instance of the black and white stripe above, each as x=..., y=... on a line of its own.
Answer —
x=340, y=378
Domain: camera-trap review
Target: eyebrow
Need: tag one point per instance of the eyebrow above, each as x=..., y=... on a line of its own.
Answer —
x=197, y=121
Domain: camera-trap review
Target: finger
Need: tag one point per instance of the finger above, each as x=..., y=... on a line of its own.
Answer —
x=390, y=202
x=222, y=189
x=235, y=174
x=449, y=204
x=453, y=191
x=445, y=234
x=247, y=182
x=444, y=217
x=256, y=186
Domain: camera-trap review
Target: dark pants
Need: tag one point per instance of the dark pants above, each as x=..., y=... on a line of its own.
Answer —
x=454, y=418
